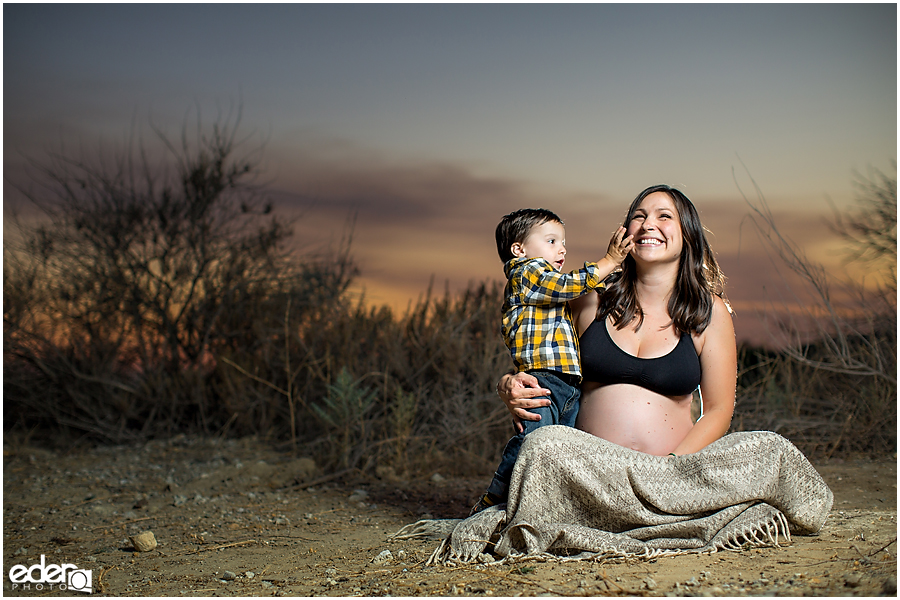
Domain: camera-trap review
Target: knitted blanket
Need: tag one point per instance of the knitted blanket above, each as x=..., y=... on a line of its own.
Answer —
x=572, y=493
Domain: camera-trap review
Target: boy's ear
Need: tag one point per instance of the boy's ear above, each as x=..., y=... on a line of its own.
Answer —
x=517, y=249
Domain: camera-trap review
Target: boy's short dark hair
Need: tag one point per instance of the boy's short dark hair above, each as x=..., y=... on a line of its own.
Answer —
x=516, y=226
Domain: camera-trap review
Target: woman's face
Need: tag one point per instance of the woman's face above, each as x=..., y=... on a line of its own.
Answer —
x=656, y=227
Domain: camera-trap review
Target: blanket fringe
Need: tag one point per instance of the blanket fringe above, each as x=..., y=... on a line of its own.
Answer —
x=426, y=529
x=444, y=556
x=437, y=557
x=765, y=533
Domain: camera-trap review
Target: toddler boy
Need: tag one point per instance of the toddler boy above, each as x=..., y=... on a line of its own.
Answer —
x=537, y=322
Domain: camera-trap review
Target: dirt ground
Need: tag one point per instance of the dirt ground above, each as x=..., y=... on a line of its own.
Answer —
x=236, y=518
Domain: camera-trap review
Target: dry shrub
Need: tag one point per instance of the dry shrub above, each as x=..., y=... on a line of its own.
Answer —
x=413, y=393
x=150, y=301
x=832, y=386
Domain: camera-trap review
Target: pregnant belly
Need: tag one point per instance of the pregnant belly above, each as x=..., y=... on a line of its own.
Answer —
x=635, y=417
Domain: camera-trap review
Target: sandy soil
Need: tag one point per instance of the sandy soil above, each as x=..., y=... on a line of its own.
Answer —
x=235, y=518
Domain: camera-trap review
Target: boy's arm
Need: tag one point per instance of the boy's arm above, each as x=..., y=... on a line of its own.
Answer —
x=538, y=283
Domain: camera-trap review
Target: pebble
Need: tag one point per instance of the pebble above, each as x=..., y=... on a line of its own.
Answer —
x=229, y=576
x=144, y=541
x=649, y=583
x=249, y=574
x=852, y=579
x=383, y=557
x=358, y=496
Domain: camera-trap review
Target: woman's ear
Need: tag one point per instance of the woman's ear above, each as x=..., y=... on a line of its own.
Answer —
x=517, y=249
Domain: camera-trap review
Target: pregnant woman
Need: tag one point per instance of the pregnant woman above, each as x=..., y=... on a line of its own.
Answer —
x=658, y=331
x=637, y=476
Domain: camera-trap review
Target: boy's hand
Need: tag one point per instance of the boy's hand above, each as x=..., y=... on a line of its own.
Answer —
x=619, y=246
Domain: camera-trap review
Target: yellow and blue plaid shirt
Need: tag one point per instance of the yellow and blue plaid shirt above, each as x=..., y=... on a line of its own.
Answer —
x=537, y=322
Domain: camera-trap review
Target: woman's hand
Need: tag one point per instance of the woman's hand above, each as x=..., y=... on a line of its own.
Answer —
x=520, y=392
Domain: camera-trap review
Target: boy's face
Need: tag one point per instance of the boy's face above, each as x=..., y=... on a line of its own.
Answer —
x=547, y=240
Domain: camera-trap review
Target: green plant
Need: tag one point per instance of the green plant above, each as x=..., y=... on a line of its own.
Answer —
x=402, y=415
x=343, y=411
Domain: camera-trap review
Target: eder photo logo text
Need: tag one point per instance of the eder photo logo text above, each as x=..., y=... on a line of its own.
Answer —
x=60, y=577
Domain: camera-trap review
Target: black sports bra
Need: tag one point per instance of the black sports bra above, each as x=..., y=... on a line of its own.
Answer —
x=602, y=361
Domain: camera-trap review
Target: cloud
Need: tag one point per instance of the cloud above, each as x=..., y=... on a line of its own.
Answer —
x=418, y=222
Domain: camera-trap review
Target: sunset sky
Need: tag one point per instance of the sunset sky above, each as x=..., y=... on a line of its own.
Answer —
x=430, y=122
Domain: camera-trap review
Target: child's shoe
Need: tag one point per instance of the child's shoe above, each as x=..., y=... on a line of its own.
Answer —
x=486, y=501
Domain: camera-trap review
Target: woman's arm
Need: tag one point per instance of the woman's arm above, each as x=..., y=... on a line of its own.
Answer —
x=718, y=365
x=521, y=391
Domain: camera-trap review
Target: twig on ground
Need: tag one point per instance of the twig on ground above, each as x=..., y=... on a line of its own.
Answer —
x=89, y=501
x=885, y=547
x=128, y=522
x=610, y=581
x=320, y=480
x=220, y=547
x=100, y=578
x=294, y=537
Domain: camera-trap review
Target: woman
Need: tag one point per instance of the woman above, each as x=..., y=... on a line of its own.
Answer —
x=658, y=330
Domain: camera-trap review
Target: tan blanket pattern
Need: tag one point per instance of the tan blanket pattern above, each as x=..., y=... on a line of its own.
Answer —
x=572, y=493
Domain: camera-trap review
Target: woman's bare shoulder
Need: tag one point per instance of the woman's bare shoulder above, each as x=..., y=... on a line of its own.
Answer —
x=721, y=313
x=721, y=326
x=584, y=310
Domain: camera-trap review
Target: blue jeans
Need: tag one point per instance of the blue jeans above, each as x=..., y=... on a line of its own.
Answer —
x=564, y=402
